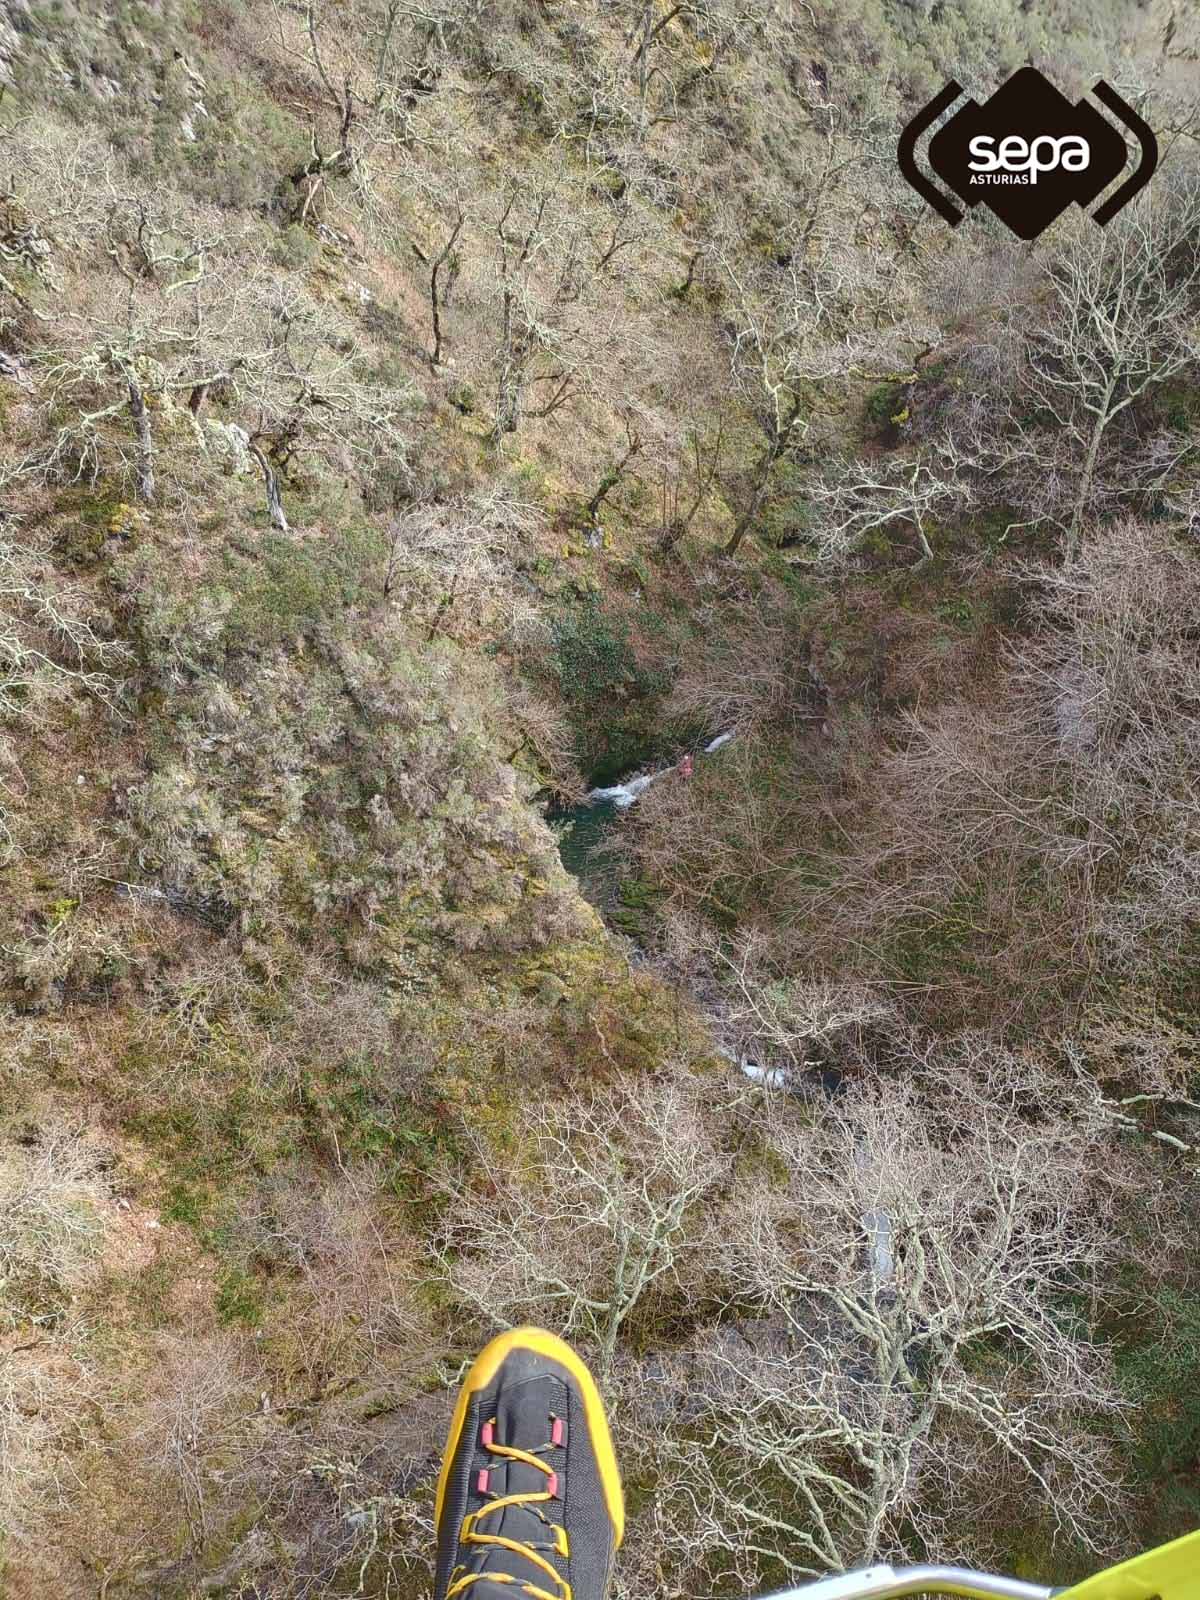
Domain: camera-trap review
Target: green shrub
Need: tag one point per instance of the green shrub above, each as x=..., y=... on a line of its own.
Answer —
x=594, y=657
x=883, y=405
x=295, y=248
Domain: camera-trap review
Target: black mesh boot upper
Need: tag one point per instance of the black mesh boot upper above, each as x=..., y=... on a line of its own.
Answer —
x=524, y=1504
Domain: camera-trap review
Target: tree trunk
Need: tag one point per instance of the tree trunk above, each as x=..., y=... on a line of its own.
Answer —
x=612, y=477
x=510, y=389
x=144, y=469
x=271, y=484
x=1088, y=473
x=682, y=290
x=435, y=300
x=779, y=436
x=671, y=535
x=755, y=506
x=508, y=403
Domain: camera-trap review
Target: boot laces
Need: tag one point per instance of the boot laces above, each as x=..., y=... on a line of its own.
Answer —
x=528, y=1500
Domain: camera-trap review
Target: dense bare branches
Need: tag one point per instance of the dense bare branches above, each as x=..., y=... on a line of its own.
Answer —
x=791, y=327
x=857, y=497
x=751, y=674
x=789, y=1021
x=54, y=643
x=614, y=1206
x=1119, y=321
x=159, y=322
x=50, y=1188
x=307, y=394
x=899, y=1238
x=1112, y=679
x=372, y=62
x=468, y=549
x=550, y=256
x=51, y=637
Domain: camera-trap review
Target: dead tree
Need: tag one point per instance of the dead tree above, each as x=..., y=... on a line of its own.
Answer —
x=612, y=475
x=610, y=1200
x=673, y=524
x=829, y=1429
x=1120, y=322
x=436, y=294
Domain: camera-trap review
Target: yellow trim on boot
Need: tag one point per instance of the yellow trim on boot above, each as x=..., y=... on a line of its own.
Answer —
x=485, y=1367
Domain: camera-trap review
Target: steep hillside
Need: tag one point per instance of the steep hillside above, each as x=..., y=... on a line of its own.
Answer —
x=411, y=419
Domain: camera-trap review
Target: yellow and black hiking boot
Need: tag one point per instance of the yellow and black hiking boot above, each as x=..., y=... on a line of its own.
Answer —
x=529, y=1500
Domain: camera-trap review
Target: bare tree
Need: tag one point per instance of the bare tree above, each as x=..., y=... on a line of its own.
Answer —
x=50, y=634
x=773, y=359
x=1120, y=321
x=615, y=471
x=155, y=325
x=613, y=1206
x=904, y=1263
x=794, y=323
x=181, y=313
x=858, y=496
x=371, y=62
x=1111, y=682
x=715, y=31
x=305, y=392
x=705, y=460
x=788, y=1020
x=438, y=293
x=553, y=256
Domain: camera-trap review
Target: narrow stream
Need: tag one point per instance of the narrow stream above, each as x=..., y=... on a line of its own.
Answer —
x=585, y=841
x=585, y=830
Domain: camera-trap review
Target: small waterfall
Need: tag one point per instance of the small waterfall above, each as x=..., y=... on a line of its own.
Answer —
x=622, y=795
x=769, y=1077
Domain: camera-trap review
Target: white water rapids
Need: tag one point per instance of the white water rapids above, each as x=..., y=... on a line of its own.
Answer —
x=622, y=795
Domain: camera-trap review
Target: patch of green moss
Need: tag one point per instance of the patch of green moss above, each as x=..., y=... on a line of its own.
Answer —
x=240, y=1299
x=883, y=404
x=283, y=588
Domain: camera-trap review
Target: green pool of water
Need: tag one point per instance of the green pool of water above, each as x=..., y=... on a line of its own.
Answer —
x=584, y=843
